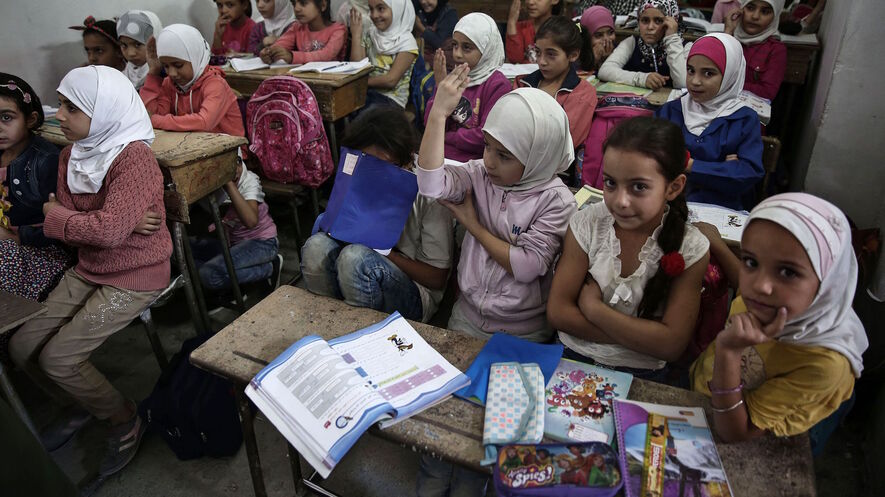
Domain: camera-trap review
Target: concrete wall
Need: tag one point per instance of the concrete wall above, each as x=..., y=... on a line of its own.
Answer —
x=844, y=126
x=37, y=46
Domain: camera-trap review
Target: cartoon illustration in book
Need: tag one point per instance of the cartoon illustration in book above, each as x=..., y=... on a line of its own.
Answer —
x=400, y=344
x=553, y=465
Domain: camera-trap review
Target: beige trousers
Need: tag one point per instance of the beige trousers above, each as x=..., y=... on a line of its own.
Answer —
x=54, y=348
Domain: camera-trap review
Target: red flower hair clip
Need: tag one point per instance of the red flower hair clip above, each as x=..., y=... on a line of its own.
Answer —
x=673, y=264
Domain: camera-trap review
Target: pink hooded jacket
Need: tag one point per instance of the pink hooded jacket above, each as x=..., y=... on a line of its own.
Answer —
x=533, y=221
x=209, y=105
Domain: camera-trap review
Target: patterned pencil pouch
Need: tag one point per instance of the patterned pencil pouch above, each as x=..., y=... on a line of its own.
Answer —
x=588, y=469
x=514, y=406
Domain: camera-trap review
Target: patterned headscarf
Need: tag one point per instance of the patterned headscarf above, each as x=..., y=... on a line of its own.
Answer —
x=657, y=52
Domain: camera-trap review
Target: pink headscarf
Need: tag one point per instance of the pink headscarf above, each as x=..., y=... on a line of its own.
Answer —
x=597, y=17
x=712, y=48
x=824, y=233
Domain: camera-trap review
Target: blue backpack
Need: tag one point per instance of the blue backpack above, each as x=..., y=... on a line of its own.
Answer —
x=421, y=87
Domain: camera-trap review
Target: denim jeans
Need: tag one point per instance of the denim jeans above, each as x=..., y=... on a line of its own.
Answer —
x=252, y=261
x=359, y=275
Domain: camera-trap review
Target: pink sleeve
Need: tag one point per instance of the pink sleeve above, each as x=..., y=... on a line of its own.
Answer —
x=156, y=99
x=538, y=246
x=212, y=110
x=450, y=181
x=287, y=39
x=329, y=52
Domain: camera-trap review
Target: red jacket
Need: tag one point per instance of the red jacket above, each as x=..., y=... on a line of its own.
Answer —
x=515, y=46
x=577, y=97
x=766, y=66
x=209, y=105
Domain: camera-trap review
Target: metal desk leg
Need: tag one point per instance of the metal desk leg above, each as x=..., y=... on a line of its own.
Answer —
x=181, y=249
x=225, y=250
x=14, y=402
x=333, y=139
x=248, y=426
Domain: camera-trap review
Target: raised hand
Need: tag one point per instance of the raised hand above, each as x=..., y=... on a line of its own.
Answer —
x=449, y=91
x=155, y=67
x=439, y=65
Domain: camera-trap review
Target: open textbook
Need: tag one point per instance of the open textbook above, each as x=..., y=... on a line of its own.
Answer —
x=322, y=396
x=667, y=451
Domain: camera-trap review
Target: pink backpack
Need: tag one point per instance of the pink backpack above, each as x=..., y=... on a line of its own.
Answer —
x=286, y=133
x=611, y=110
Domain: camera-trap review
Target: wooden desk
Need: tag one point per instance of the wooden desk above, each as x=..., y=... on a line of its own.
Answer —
x=15, y=310
x=799, y=56
x=194, y=164
x=337, y=94
x=453, y=429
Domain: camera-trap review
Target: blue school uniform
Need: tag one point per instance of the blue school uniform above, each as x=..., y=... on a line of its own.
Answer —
x=713, y=180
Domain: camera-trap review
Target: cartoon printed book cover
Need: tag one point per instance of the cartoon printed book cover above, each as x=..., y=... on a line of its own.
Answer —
x=579, y=402
x=589, y=465
x=668, y=451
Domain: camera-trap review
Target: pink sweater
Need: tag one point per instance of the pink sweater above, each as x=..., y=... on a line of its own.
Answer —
x=100, y=224
x=309, y=46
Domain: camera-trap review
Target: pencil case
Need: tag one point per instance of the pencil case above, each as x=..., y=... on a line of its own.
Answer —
x=588, y=469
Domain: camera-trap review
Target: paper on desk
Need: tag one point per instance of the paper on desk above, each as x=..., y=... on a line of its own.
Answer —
x=800, y=39
x=511, y=71
x=333, y=67
x=254, y=63
x=676, y=93
x=612, y=87
x=762, y=106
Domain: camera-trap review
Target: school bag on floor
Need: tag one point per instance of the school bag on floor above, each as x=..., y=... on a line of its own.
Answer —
x=611, y=110
x=421, y=87
x=286, y=133
x=193, y=410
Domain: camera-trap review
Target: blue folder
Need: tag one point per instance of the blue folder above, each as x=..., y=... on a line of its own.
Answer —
x=507, y=348
x=370, y=202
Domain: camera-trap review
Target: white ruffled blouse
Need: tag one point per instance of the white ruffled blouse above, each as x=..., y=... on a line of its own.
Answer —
x=594, y=230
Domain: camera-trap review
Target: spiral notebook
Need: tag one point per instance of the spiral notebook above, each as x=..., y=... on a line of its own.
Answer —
x=665, y=449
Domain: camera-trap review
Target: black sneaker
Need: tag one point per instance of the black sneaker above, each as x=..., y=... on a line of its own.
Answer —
x=123, y=441
x=62, y=430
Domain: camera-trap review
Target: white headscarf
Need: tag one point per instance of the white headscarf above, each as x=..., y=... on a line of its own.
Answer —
x=484, y=33
x=534, y=128
x=139, y=25
x=186, y=43
x=398, y=36
x=283, y=15
x=771, y=30
x=824, y=232
x=696, y=115
x=118, y=119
